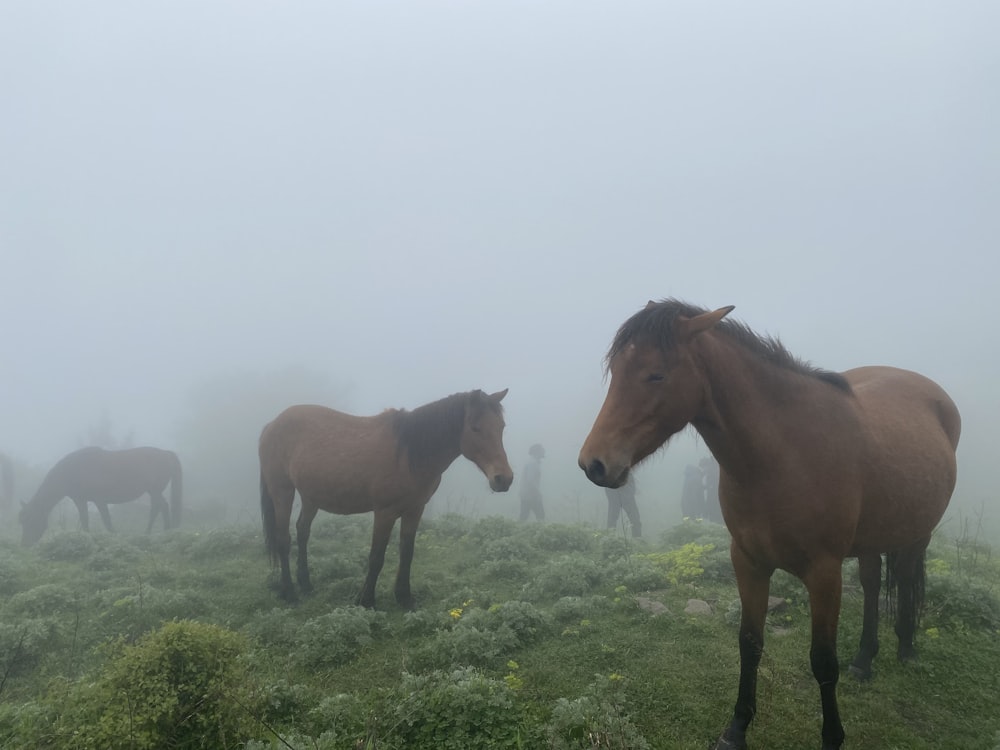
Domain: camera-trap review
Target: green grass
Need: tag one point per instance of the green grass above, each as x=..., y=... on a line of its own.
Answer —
x=546, y=616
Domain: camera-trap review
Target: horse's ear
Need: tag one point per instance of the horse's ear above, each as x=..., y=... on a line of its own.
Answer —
x=691, y=327
x=650, y=304
x=498, y=396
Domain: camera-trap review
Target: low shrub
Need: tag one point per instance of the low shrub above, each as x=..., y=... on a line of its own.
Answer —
x=181, y=686
x=336, y=637
x=458, y=710
x=597, y=719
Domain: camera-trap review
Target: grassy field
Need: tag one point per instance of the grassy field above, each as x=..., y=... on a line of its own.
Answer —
x=526, y=636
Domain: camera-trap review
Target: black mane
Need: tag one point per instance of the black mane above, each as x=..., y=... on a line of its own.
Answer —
x=655, y=324
x=433, y=428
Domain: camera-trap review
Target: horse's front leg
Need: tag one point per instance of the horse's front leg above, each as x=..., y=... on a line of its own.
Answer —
x=870, y=573
x=823, y=582
x=381, y=531
x=754, y=583
x=102, y=509
x=303, y=526
x=81, y=509
x=407, y=538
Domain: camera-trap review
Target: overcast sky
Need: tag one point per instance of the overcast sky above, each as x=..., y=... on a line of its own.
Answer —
x=419, y=198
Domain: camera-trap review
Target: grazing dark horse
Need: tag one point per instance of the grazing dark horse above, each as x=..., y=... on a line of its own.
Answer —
x=816, y=466
x=390, y=464
x=103, y=477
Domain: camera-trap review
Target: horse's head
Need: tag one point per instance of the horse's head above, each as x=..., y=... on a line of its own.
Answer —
x=656, y=389
x=33, y=522
x=482, y=438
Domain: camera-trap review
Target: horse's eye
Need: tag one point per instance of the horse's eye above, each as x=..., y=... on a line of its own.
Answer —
x=654, y=377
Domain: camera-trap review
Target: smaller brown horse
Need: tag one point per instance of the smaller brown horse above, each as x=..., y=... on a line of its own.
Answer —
x=816, y=466
x=99, y=476
x=390, y=464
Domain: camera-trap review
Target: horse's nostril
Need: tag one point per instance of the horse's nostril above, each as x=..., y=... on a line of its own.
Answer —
x=596, y=470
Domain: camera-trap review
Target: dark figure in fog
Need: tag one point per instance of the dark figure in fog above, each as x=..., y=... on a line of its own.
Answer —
x=710, y=469
x=693, y=493
x=531, y=484
x=621, y=499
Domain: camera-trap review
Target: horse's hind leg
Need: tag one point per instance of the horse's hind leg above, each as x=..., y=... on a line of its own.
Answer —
x=158, y=506
x=102, y=509
x=907, y=572
x=407, y=538
x=381, y=531
x=870, y=573
x=282, y=501
x=303, y=526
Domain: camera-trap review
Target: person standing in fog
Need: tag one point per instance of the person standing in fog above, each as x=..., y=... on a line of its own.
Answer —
x=693, y=493
x=713, y=510
x=623, y=498
x=531, y=484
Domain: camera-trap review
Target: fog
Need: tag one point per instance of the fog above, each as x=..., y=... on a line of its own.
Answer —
x=212, y=210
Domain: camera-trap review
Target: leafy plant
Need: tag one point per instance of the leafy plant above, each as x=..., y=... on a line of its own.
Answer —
x=596, y=719
x=458, y=710
x=181, y=686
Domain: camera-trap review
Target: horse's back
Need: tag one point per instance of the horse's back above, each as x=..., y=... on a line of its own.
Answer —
x=911, y=429
x=98, y=475
x=328, y=455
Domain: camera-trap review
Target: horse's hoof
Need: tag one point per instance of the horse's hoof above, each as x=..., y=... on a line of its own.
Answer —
x=726, y=744
x=859, y=674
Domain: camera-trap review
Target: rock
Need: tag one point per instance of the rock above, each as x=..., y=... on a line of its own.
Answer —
x=776, y=604
x=652, y=606
x=698, y=607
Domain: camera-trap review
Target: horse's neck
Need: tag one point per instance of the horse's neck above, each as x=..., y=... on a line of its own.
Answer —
x=747, y=403
x=48, y=495
x=435, y=430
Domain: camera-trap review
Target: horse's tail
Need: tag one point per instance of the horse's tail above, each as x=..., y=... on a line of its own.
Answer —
x=267, y=517
x=176, y=493
x=908, y=587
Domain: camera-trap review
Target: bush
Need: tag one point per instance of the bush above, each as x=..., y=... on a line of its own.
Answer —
x=458, y=710
x=961, y=604
x=181, y=686
x=566, y=575
x=336, y=637
x=596, y=719
x=576, y=608
x=682, y=565
x=69, y=546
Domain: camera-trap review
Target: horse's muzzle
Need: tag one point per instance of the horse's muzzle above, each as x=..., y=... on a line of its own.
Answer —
x=600, y=475
x=501, y=482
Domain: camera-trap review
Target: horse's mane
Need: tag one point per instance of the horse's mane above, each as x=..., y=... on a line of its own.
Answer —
x=424, y=431
x=655, y=324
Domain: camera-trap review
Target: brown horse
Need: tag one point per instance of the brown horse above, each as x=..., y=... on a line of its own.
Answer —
x=99, y=476
x=816, y=466
x=390, y=464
